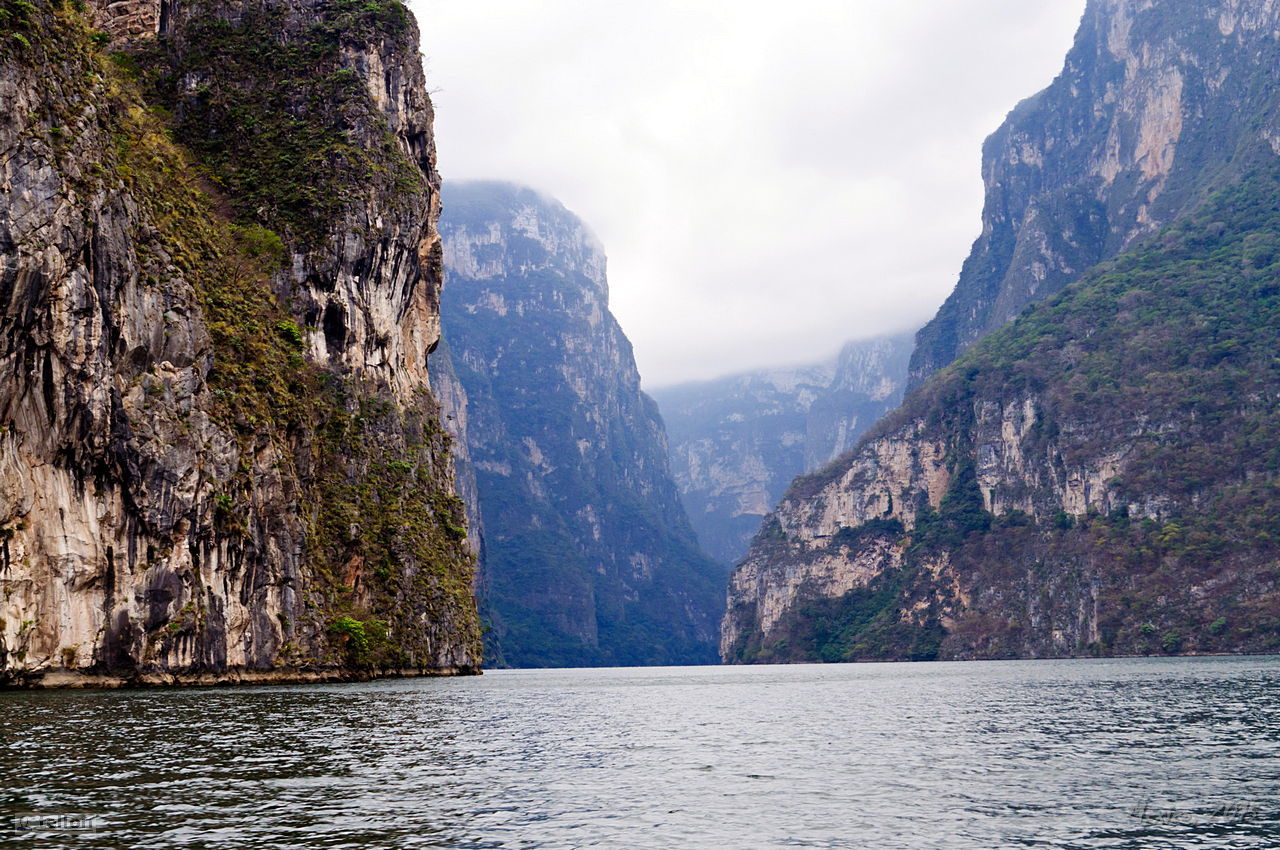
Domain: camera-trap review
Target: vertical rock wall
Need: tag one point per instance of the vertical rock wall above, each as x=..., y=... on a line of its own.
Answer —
x=589, y=558
x=219, y=456
x=1150, y=108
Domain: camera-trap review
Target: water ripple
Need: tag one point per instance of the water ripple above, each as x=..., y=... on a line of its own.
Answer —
x=1107, y=754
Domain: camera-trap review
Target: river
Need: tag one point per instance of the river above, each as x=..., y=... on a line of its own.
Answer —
x=1139, y=753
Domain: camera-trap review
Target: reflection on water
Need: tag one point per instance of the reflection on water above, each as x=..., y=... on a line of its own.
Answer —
x=1087, y=754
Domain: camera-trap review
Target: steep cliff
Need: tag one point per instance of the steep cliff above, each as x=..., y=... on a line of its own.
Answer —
x=219, y=278
x=738, y=442
x=589, y=558
x=452, y=396
x=1152, y=107
x=1102, y=475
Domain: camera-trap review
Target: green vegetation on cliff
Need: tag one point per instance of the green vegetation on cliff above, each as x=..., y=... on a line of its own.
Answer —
x=356, y=478
x=1167, y=356
x=273, y=120
x=1075, y=171
x=384, y=533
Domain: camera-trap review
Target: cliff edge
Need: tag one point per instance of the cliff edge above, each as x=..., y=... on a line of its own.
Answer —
x=588, y=557
x=1101, y=476
x=220, y=459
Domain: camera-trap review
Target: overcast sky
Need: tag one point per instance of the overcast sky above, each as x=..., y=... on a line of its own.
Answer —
x=769, y=179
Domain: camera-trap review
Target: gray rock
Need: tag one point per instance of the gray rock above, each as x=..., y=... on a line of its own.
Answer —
x=737, y=443
x=153, y=529
x=588, y=556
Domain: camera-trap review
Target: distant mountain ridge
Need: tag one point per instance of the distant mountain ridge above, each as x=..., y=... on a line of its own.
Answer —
x=738, y=442
x=588, y=558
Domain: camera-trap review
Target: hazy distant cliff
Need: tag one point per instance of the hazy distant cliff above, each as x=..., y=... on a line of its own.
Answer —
x=1155, y=100
x=737, y=443
x=1101, y=476
x=589, y=558
x=219, y=457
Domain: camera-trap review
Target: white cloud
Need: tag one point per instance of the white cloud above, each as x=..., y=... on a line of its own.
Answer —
x=769, y=179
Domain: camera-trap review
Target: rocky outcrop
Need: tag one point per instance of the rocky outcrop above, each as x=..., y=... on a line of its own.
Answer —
x=219, y=457
x=1153, y=104
x=589, y=558
x=737, y=443
x=1100, y=476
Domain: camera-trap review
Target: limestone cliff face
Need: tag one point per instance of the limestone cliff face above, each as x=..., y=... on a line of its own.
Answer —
x=219, y=456
x=454, y=406
x=1101, y=475
x=1153, y=102
x=737, y=443
x=364, y=265
x=589, y=558
x=812, y=544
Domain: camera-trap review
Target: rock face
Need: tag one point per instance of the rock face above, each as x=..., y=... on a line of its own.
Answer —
x=1101, y=476
x=452, y=396
x=219, y=456
x=1155, y=100
x=737, y=443
x=589, y=558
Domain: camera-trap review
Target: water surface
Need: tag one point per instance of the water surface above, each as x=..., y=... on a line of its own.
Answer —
x=1177, y=753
